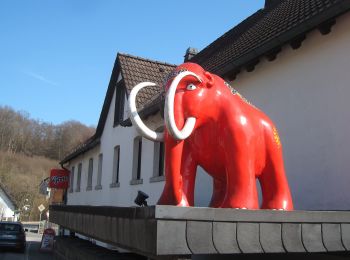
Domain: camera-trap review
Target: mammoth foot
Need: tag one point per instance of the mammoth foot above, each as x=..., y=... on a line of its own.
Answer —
x=167, y=199
x=270, y=209
x=238, y=204
x=277, y=204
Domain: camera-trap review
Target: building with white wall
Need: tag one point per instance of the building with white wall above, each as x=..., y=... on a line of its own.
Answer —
x=290, y=59
x=7, y=206
x=304, y=91
x=116, y=162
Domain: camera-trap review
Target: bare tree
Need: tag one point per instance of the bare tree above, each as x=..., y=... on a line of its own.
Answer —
x=20, y=134
x=25, y=146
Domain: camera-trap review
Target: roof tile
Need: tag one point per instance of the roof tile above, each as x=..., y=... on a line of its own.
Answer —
x=136, y=70
x=259, y=29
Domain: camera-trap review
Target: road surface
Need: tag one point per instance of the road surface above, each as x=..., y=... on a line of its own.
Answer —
x=32, y=251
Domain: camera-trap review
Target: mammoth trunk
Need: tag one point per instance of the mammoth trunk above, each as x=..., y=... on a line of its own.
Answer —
x=179, y=112
x=173, y=190
x=172, y=113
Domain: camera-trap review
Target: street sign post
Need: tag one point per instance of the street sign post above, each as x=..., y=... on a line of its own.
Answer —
x=41, y=208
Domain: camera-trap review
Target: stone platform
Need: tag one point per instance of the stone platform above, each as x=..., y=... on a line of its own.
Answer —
x=159, y=231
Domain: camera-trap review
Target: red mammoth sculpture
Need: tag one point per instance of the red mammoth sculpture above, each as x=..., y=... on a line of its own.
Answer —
x=233, y=141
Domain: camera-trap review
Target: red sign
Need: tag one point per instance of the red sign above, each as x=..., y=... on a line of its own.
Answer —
x=47, y=240
x=59, y=179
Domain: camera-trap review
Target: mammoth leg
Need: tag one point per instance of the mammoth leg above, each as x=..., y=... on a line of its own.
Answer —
x=274, y=184
x=241, y=189
x=172, y=192
x=219, y=190
x=180, y=174
x=188, y=172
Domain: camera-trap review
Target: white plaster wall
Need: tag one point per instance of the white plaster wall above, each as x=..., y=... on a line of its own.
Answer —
x=84, y=197
x=306, y=93
x=126, y=193
x=8, y=213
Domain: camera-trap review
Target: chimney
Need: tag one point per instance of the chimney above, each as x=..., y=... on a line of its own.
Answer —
x=271, y=3
x=190, y=53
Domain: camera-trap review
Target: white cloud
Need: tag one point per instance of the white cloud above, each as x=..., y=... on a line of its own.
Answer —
x=40, y=77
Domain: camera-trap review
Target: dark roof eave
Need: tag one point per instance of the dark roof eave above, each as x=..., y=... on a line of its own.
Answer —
x=286, y=37
x=108, y=97
x=93, y=143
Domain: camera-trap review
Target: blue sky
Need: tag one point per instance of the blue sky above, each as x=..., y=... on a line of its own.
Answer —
x=56, y=56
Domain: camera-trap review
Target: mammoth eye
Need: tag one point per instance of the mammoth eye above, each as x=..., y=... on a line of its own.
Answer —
x=191, y=87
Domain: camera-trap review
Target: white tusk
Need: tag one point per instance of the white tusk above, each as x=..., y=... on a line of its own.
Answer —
x=169, y=110
x=135, y=118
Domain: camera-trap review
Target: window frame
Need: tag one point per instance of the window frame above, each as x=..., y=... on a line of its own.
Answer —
x=80, y=166
x=119, y=103
x=71, y=180
x=90, y=174
x=137, y=162
x=116, y=167
x=99, y=172
x=158, y=163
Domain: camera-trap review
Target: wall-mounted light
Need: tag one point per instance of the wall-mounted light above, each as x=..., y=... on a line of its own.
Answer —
x=141, y=199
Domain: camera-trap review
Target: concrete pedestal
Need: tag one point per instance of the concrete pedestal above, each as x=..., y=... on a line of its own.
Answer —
x=168, y=231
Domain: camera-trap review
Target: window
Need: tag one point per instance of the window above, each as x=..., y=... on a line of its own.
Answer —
x=115, y=176
x=90, y=172
x=78, y=178
x=158, y=163
x=139, y=155
x=71, y=179
x=161, y=160
x=99, y=172
x=119, y=103
x=136, y=167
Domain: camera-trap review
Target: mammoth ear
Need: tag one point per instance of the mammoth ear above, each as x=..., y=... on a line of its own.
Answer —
x=209, y=79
